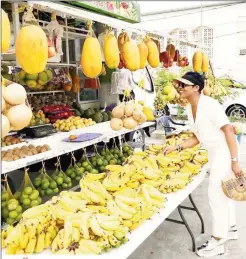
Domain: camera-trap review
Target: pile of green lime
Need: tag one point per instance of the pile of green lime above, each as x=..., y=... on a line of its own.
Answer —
x=127, y=150
x=88, y=167
x=75, y=173
x=10, y=208
x=29, y=197
x=46, y=186
x=63, y=181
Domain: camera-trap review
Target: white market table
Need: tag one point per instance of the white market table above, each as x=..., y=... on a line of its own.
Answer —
x=59, y=147
x=137, y=236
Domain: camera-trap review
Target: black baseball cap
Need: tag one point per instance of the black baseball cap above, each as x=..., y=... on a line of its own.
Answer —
x=192, y=78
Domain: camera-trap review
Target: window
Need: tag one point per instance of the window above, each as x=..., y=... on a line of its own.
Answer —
x=182, y=35
x=208, y=36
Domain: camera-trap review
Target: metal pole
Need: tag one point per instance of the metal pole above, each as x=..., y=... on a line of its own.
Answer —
x=67, y=43
x=201, y=27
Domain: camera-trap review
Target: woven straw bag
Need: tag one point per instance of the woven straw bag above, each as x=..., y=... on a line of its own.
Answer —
x=235, y=188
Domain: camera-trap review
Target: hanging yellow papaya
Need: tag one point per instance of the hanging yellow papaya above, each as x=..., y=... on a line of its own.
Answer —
x=153, y=53
x=205, y=62
x=6, y=32
x=143, y=51
x=111, y=51
x=197, y=61
x=170, y=49
x=122, y=39
x=91, y=58
x=31, y=48
x=131, y=55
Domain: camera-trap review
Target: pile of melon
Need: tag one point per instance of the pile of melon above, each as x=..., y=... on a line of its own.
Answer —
x=128, y=115
x=16, y=115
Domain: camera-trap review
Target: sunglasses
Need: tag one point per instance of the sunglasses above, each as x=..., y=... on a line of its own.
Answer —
x=182, y=85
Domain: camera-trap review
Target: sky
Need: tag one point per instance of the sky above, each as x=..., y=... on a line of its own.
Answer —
x=152, y=6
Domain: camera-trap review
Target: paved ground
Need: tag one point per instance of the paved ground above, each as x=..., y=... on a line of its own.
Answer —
x=172, y=241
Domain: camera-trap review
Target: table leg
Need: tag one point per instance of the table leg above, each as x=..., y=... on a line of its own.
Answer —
x=198, y=213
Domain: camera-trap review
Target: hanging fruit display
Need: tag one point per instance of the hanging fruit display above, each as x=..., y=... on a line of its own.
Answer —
x=131, y=55
x=143, y=51
x=122, y=38
x=111, y=50
x=91, y=58
x=31, y=49
x=153, y=53
x=200, y=62
x=6, y=32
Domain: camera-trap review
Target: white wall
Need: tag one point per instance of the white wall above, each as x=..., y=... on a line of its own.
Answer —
x=223, y=20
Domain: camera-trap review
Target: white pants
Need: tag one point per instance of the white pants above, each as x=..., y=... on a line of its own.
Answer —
x=222, y=208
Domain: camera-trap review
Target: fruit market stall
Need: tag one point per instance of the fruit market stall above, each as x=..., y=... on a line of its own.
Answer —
x=118, y=189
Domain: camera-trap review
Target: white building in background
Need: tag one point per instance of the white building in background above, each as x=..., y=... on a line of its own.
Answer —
x=223, y=30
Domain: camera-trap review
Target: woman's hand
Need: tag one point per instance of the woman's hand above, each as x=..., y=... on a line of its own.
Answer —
x=236, y=168
x=169, y=149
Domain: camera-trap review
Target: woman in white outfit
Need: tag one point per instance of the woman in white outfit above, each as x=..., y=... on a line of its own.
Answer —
x=212, y=129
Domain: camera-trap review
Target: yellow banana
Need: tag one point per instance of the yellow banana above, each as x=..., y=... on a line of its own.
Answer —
x=154, y=193
x=127, y=200
x=150, y=174
x=47, y=240
x=114, y=241
x=93, y=246
x=11, y=250
x=134, y=184
x=146, y=196
x=97, y=208
x=68, y=230
x=125, y=207
x=83, y=224
x=40, y=243
x=19, y=251
x=98, y=188
x=75, y=235
x=109, y=225
x=157, y=203
x=140, y=153
x=94, y=197
x=31, y=245
x=95, y=227
x=54, y=245
x=93, y=177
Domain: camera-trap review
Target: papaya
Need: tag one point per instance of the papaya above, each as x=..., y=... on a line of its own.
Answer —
x=31, y=49
x=153, y=53
x=131, y=55
x=205, y=62
x=91, y=58
x=111, y=51
x=197, y=61
x=143, y=51
x=6, y=32
x=122, y=39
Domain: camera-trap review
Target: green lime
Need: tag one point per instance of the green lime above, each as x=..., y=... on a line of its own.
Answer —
x=34, y=195
x=28, y=190
x=116, y=156
x=34, y=203
x=42, y=193
x=10, y=221
x=77, y=178
x=13, y=214
x=94, y=171
x=99, y=161
x=12, y=205
x=37, y=182
x=85, y=164
x=105, y=162
x=19, y=217
x=39, y=200
x=5, y=213
x=56, y=190
x=69, y=171
x=103, y=152
x=17, y=195
x=119, y=162
x=64, y=185
x=45, y=185
x=125, y=148
x=45, y=180
x=94, y=159
x=120, y=155
x=101, y=169
x=53, y=185
x=88, y=168
x=3, y=204
x=69, y=185
x=60, y=175
x=108, y=157
x=5, y=196
x=59, y=180
x=26, y=202
x=112, y=162
x=73, y=175
x=18, y=209
x=67, y=180
x=49, y=192
x=79, y=164
x=94, y=163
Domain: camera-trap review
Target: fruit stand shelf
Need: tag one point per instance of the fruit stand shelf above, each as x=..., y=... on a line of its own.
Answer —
x=138, y=236
x=54, y=64
x=59, y=147
x=46, y=92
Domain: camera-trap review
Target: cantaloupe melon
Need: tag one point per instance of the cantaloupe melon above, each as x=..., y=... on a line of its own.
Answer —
x=5, y=126
x=116, y=124
x=15, y=94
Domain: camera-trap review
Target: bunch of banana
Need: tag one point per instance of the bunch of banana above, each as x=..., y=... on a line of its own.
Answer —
x=152, y=196
x=30, y=236
x=155, y=149
x=200, y=158
x=191, y=167
x=172, y=185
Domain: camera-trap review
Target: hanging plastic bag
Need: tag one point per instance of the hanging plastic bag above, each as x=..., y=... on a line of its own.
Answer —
x=27, y=194
x=55, y=34
x=10, y=207
x=74, y=171
x=45, y=184
x=62, y=180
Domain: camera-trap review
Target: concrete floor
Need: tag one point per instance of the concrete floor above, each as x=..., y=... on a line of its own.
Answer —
x=172, y=241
